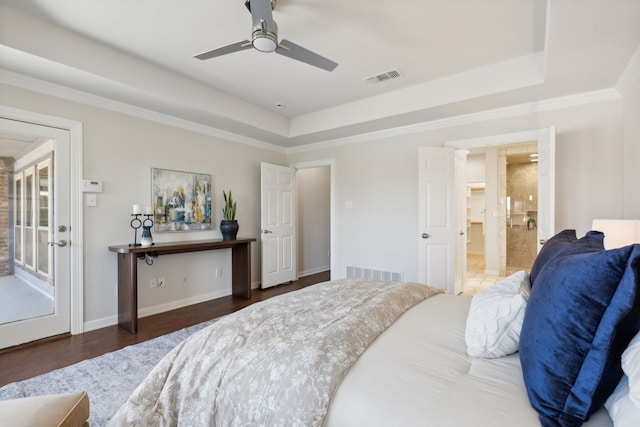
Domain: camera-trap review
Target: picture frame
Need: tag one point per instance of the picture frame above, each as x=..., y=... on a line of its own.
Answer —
x=181, y=200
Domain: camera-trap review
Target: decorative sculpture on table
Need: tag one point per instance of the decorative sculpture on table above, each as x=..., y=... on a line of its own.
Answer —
x=145, y=239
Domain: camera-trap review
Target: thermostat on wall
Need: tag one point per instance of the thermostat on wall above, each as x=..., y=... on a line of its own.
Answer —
x=91, y=186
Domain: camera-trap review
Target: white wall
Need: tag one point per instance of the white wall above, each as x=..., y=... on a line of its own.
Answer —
x=631, y=151
x=380, y=178
x=120, y=150
x=475, y=169
x=314, y=220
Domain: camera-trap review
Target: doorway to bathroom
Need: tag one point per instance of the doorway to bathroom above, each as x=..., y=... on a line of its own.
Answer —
x=494, y=148
x=516, y=189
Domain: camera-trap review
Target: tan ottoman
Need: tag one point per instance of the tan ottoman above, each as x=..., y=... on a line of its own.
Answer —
x=63, y=410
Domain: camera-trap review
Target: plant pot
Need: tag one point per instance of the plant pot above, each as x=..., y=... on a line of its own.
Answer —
x=229, y=229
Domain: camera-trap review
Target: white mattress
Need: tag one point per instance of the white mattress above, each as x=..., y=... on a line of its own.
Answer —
x=417, y=373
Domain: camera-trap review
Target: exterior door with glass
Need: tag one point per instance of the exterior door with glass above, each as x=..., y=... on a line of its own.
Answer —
x=35, y=285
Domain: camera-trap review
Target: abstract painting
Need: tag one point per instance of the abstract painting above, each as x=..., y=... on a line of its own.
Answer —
x=181, y=200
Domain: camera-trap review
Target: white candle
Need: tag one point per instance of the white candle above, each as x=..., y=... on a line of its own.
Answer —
x=148, y=210
x=136, y=210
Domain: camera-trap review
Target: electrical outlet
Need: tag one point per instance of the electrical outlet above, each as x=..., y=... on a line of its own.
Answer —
x=153, y=283
x=219, y=272
x=161, y=282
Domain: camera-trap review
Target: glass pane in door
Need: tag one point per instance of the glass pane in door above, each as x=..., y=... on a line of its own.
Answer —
x=28, y=290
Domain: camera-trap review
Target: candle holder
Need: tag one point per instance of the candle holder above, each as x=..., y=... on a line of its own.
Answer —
x=135, y=224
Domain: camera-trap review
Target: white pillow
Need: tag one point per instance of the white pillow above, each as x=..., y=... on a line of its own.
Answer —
x=631, y=367
x=621, y=409
x=495, y=317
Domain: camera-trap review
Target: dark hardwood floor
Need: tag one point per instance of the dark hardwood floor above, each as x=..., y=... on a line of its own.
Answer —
x=28, y=360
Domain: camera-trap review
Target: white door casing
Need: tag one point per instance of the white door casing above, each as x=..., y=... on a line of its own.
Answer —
x=436, y=213
x=330, y=163
x=60, y=321
x=546, y=170
x=546, y=185
x=278, y=224
x=460, y=191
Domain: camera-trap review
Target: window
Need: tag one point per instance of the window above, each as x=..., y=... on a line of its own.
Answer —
x=19, y=197
x=32, y=215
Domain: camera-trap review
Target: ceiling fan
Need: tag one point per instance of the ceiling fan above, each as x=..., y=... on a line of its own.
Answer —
x=265, y=39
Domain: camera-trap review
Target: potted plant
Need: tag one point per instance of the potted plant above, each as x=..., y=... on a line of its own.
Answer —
x=229, y=225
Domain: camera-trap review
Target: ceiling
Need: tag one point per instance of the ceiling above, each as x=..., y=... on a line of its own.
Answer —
x=454, y=58
x=15, y=146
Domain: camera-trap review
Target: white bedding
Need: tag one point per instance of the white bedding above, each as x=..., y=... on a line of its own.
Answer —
x=417, y=373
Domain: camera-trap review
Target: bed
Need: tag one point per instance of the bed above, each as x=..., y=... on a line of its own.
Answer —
x=372, y=353
x=386, y=387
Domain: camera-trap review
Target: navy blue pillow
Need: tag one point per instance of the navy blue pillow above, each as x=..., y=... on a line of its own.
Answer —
x=550, y=249
x=580, y=317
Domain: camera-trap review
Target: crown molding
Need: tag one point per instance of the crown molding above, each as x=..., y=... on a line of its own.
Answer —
x=30, y=83
x=630, y=73
x=498, y=113
x=41, y=86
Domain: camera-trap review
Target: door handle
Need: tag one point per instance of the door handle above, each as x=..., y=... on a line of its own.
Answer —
x=60, y=243
x=543, y=241
x=266, y=231
x=425, y=236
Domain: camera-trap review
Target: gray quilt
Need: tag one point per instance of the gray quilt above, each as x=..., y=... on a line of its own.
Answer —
x=275, y=363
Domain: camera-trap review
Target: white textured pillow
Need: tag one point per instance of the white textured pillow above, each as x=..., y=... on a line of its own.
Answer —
x=621, y=409
x=631, y=367
x=495, y=317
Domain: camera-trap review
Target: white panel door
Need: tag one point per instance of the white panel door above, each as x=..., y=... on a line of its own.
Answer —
x=278, y=224
x=56, y=220
x=437, y=233
x=546, y=185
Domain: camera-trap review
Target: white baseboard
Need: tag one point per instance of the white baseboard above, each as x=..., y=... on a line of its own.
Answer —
x=492, y=272
x=150, y=311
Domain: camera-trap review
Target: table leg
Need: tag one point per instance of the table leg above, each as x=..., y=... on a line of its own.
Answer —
x=241, y=271
x=128, y=292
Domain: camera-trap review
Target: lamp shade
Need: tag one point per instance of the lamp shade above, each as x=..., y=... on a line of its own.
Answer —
x=618, y=232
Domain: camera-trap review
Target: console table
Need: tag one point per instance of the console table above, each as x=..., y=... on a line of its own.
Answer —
x=128, y=271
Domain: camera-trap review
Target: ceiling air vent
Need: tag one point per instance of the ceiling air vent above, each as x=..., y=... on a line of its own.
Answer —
x=389, y=75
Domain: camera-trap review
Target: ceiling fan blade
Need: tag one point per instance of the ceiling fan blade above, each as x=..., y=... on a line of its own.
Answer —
x=236, y=47
x=293, y=51
x=261, y=12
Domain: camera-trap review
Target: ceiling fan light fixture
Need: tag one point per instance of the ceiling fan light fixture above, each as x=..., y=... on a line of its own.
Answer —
x=264, y=42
